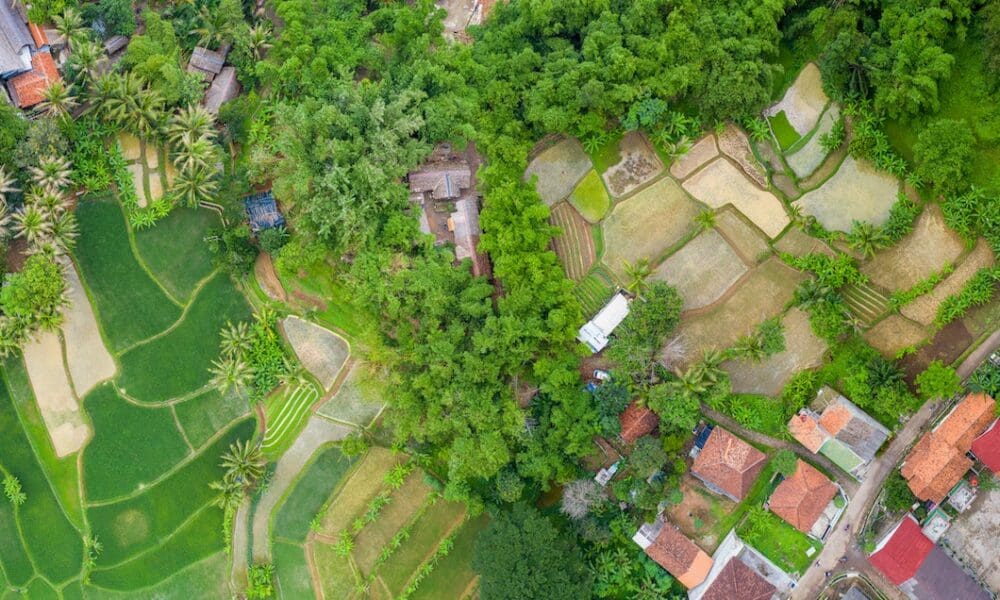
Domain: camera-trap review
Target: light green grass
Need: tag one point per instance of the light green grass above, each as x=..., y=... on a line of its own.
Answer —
x=13, y=555
x=425, y=535
x=132, y=445
x=175, y=250
x=607, y=155
x=453, y=573
x=784, y=545
x=292, y=572
x=286, y=412
x=205, y=414
x=204, y=580
x=335, y=573
x=591, y=198
x=783, y=131
x=341, y=313
x=311, y=491
x=39, y=590
x=842, y=456
x=130, y=305
x=178, y=362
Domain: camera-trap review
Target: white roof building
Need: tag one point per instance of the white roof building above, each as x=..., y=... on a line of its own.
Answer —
x=596, y=332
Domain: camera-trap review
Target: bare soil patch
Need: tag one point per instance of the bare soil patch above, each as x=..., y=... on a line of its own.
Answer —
x=87, y=358
x=810, y=156
x=703, y=151
x=803, y=350
x=638, y=165
x=803, y=101
x=131, y=146
x=322, y=352
x=948, y=344
x=798, y=243
x=137, y=178
x=973, y=535
x=697, y=513
x=894, y=333
x=59, y=407
x=734, y=144
x=746, y=239
x=763, y=294
x=703, y=270
x=648, y=224
x=926, y=250
x=721, y=183
x=924, y=309
x=857, y=192
x=152, y=156
x=267, y=277
x=559, y=169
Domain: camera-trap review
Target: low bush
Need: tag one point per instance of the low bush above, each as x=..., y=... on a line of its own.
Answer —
x=977, y=291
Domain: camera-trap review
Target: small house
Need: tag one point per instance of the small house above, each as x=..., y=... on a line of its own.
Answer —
x=665, y=544
x=262, y=212
x=28, y=89
x=741, y=572
x=115, y=44
x=986, y=447
x=727, y=465
x=15, y=42
x=636, y=421
x=206, y=63
x=224, y=88
x=805, y=500
x=596, y=332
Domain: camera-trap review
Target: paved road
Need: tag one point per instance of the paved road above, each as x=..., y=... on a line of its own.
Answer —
x=979, y=355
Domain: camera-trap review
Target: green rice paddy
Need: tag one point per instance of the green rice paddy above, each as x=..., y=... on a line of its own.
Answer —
x=286, y=412
x=591, y=198
x=315, y=484
x=783, y=131
x=185, y=229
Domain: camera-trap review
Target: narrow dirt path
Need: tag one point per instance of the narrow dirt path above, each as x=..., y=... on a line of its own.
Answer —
x=241, y=531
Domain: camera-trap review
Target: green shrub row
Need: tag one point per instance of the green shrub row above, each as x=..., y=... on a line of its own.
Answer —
x=977, y=291
x=425, y=569
x=393, y=480
x=901, y=298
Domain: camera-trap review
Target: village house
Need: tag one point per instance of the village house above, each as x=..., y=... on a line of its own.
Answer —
x=836, y=428
x=740, y=571
x=986, y=447
x=210, y=65
x=726, y=464
x=596, y=333
x=636, y=421
x=938, y=462
x=664, y=543
x=805, y=500
x=27, y=68
x=921, y=569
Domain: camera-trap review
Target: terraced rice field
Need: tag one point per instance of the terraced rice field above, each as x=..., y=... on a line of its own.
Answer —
x=866, y=302
x=575, y=246
x=285, y=413
x=595, y=290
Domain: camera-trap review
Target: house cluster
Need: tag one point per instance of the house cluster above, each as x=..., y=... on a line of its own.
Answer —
x=211, y=66
x=27, y=66
x=444, y=189
x=942, y=471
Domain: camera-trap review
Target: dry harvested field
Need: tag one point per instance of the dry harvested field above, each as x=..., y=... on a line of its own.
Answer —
x=648, y=224
x=745, y=239
x=894, y=333
x=559, y=169
x=810, y=156
x=131, y=146
x=702, y=152
x=703, y=270
x=798, y=243
x=322, y=352
x=88, y=359
x=925, y=251
x=59, y=407
x=803, y=101
x=734, y=144
x=575, y=246
x=803, y=350
x=722, y=183
x=924, y=308
x=762, y=295
x=857, y=192
x=639, y=164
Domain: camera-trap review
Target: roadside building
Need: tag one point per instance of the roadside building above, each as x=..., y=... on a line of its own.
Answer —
x=27, y=68
x=596, y=333
x=741, y=572
x=664, y=543
x=727, y=465
x=937, y=462
x=986, y=447
x=16, y=43
x=805, y=500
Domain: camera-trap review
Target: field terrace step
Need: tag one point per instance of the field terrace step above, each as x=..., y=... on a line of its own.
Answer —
x=865, y=302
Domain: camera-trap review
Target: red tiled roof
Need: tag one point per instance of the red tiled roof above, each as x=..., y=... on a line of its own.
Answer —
x=679, y=556
x=987, y=447
x=834, y=418
x=637, y=421
x=802, y=498
x=38, y=34
x=967, y=421
x=736, y=580
x=903, y=552
x=28, y=89
x=806, y=430
x=729, y=463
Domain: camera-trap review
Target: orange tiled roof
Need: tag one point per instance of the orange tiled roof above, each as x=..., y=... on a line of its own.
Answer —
x=806, y=430
x=970, y=418
x=802, y=498
x=729, y=463
x=834, y=418
x=679, y=556
x=28, y=89
x=38, y=34
x=736, y=580
x=637, y=421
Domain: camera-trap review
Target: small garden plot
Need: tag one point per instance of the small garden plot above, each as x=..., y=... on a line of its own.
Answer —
x=639, y=164
x=803, y=102
x=451, y=574
x=185, y=353
x=926, y=250
x=924, y=309
x=803, y=350
x=699, y=513
x=291, y=571
x=784, y=545
x=403, y=505
x=131, y=146
x=857, y=192
x=648, y=224
x=66, y=423
x=437, y=522
x=175, y=250
x=359, y=399
x=88, y=361
x=894, y=334
x=306, y=500
x=285, y=412
x=575, y=245
x=595, y=290
x=734, y=144
x=702, y=152
x=336, y=575
x=148, y=436
x=203, y=580
x=703, y=270
x=363, y=484
x=762, y=295
x=558, y=169
x=784, y=133
x=810, y=156
x=745, y=239
x=208, y=413
x=129, y=303
x=722, y=183
x=322, y=352
x=590, y=198
x=138, y=176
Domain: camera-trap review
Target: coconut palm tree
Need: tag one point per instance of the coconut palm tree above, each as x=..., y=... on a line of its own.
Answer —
x=145, y=112
x=259, y=40
x=51, y=172
x=637, y=272
x=106, y=96
x=705, y=219
x=215, y=28
x=195, y=185
x=231, y=373
x=243, y=463
x=69, y=25
x=235, y=339
x=194, y=154
x=33, y=225
x=64, y=233
x=866, y=238
x=230, y=495
x=86, y=59
x=58, y=99
x=6, y=184
x=189, y=124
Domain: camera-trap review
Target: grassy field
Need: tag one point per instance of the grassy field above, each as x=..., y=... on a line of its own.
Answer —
x=185, y=228
x=594, y=291
x=339, y=310
x=783, y=131
x=780, y=542
x=128, y=302
x=591, y=198
x=286, y=412
x=316, y=482
x=147, y=436
x=292, y=571
x=453, y=574
x=204, y=415
x=204, y=580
